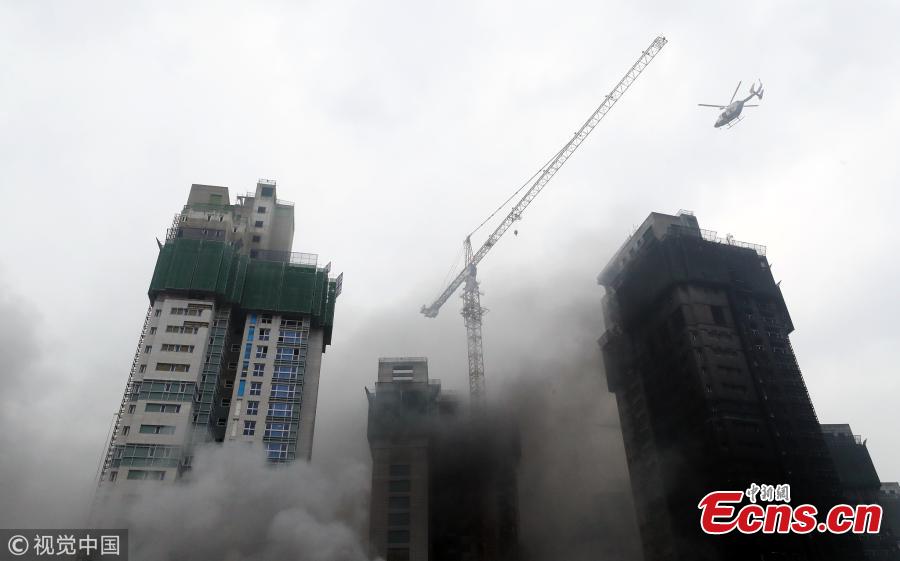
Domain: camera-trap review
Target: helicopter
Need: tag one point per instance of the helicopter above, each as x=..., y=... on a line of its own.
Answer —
x=732, y=112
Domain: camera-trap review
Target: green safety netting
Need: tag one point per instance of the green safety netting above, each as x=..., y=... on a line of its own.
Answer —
x=214, y=268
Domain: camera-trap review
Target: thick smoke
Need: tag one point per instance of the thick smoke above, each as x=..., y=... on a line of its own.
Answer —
x=235, y=506
x=575, y=496
x=543, y=371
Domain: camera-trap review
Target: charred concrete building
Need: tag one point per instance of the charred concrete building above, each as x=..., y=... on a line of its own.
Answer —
x=709, y=391
x=443, y=477
x=889, y=498
x=860, y=485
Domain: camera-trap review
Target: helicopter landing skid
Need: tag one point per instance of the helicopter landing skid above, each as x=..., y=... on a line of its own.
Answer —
x=734, y=122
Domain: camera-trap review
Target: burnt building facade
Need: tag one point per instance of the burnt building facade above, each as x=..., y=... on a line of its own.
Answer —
x=443, y=477
x=709, y=391
x=860, y=485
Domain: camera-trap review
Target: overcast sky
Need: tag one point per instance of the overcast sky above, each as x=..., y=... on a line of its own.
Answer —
x=397, y=127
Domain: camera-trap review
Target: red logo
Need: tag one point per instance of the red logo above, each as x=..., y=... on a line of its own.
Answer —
x=721, y=513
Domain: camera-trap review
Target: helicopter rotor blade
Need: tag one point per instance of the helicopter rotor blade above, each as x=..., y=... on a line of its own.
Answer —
x=735, y=92
x=708, y=105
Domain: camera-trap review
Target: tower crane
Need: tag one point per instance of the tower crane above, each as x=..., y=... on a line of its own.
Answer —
x=472, y=311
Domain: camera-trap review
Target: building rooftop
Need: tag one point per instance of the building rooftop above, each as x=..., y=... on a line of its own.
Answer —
x=658, y=226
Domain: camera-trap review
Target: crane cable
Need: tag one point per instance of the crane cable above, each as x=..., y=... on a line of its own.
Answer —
x=527, y=183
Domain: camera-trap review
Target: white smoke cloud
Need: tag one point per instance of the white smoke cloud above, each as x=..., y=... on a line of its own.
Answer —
x=236, y=506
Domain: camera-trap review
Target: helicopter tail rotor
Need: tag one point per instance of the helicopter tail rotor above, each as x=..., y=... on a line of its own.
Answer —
x=757, y=91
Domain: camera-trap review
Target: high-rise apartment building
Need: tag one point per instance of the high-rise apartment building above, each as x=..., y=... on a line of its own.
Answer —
x=709, y=391
x=443, y=478
x=889, y=499
x=232, y=344
x=860, y=485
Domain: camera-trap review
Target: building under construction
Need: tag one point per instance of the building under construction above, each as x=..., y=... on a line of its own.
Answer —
x=443, y=476
x=860, y=485
x=231, y=345
x=709, y=392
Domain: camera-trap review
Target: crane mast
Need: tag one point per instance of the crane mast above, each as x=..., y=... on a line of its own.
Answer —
x=472, y=311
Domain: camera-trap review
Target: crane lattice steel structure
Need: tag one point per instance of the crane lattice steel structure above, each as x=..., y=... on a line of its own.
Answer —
x=472, y=311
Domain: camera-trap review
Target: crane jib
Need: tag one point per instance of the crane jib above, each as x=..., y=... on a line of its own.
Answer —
x=547, y=174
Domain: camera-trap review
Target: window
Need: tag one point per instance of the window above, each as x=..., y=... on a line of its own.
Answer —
x=261, y=210
x=276, y=451
x=285, y=372
x=177, y=348
x=259, y=369
x=163, y=390
x=156, y=312
x=162, y=408
x=264, y=334
x=189, y=311
x=402, y=373
x=398, y=519
x=148, y=348
x=157, y=429
x=277, y=430
x=397, y=554
x=244, y=369
x=266, y=191
x=262, y=351
x=146, y=474
x=126, y=430
x=255, y=388
x=283, y=391
x=220, y=422
x=152, y=331
x=399, y=486
x=131, y=408
x=229, y=384
x=184, y=329
x=242, y=385
x=256, y=239
x=399, y=502
x=718, y=315
x=249, y=428
x=265, y=319
x=290, y=336
x=112, y=475
x=142, y=368
x=226, y=402
x=258, y=224
x=236, y=348
x=172, y=367
x=252, y=407
x=280, y=409
x=290, y=354
x=399, y=470
x=398, y=536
